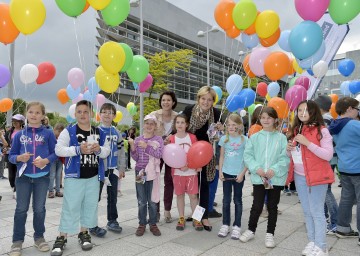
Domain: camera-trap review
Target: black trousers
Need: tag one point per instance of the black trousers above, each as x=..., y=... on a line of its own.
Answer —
x=204, y=192
x=12, y=175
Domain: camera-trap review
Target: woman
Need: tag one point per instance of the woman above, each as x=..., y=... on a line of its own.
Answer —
x=201, y=116
x=165, y=117
x=131, y=133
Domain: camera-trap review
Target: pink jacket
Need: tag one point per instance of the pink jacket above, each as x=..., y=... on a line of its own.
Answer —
x=152, y=170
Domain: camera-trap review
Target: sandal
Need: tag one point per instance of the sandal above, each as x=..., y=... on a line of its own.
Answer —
x=198, y=225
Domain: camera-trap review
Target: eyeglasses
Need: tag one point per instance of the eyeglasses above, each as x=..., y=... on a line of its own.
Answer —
x=107, y=112
x=357, y=108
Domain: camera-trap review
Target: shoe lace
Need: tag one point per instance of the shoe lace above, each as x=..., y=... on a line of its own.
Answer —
x=85, y=237
x=235, y=232
x=269, y=237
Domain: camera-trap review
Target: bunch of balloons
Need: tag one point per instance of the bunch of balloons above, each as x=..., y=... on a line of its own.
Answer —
x=42, y=73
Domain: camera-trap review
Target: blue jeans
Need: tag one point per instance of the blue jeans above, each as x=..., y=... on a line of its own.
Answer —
x=350, y=191
x=112, y=213
x=143, y=194
x=228, y=185
x=312, y=202
x=25, y=187
x=331, y=206
x=55, y=174
x=212, y=191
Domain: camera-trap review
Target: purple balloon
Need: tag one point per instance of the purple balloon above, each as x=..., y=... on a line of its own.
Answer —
x=304, y=82
x=146, y=84
x=295, y=95
x=4, y=75
x=76, y=77
x=174, y=156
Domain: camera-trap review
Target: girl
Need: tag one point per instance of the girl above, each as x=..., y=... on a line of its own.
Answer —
x=147, y=150
x=311, y=149
x=232, y=172
x=33, y=151
x=265, y=156
x=185, y=179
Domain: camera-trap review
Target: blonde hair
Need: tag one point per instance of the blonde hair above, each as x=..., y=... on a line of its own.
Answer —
x=36, y=103
x=205, y=90
x=238, y=120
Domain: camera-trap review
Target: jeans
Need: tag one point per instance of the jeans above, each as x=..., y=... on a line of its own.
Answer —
x=228, y=185
x=25, y=187
x=349, y=192
x=112, y=213
x=212, y=191
x=143, y=194
x=55, y=174
x=312, y=201
x=331, y=206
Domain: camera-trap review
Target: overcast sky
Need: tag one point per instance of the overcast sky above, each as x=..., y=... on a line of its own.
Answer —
x=68, y=42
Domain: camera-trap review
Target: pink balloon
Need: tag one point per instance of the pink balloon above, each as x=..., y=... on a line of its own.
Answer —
x=303, y=81
x=146, y=84
x=78, y=98
x=311, y=9
x=174, y=156
x=76, y=77
x=295, y=95
x=100, y=100
x=257, y=59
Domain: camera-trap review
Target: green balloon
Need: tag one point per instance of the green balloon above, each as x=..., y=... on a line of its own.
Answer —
x=292, y=81
x=72, y=8
x=116, y=12
x=133, y=110
x=128, y=57
x=343, y=11
x=139, y=69
x=251, y=108
x=244, y=14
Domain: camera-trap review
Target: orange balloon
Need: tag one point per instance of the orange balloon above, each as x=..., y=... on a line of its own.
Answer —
x=8, y=30
x=254, y=129
x=97, y=118
x=62, y=96
x=87, y=5
x=5, y=104
x=333, y=111
x=251, y=30
x=267, y=42
x=276, y=65
x=246, y=67
x=291, y=69
x=334, y=98
x=223, y=14
x=280, y=105
x=233, y=32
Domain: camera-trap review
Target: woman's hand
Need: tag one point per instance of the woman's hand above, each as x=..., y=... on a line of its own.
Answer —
x=302, y=140
x=219, y=126
x=290, y=146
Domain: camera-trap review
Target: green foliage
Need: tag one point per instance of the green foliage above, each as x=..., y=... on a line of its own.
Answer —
x=123, y=127
x=55, y=118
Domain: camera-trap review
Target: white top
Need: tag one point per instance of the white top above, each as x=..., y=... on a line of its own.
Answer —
x=167, y=127
x=186, y=144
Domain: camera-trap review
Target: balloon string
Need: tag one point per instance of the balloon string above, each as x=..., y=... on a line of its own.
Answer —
x=77, y=43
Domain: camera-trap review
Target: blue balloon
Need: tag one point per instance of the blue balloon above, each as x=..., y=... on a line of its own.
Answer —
x=88, y=96
x=247, y=97
x=346, y=67
x=93, y=87
x=305, y=39
x=135, y=85
x=354, y=86
x=70, y=119
x=71, y=92
x=232, y=103
x=273, y=89
x=311, y=61
x=311, y=73
x=234, y=84
x=344, y=88
x=284, y=40
x=250, y=41
x=218, y=91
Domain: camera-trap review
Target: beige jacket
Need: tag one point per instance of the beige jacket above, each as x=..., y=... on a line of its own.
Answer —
x=160, y=131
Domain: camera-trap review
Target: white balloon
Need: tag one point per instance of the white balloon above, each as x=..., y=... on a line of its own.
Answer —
x=358, y=98
x=243, y=113
x=72, y=111
x=320, y=69
x=29, y=73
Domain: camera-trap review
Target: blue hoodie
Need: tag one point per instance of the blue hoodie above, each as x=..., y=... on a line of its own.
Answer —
x=37, y=141
x=346, y=134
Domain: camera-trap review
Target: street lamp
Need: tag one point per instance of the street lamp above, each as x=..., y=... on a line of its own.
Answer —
x=202, y=34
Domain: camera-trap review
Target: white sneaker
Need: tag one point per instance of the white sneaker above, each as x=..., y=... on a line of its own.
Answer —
x=246, y=236
x=269, y=240
x=308, y=248
x=316, y=251
x=224, y=231
x=235, y=234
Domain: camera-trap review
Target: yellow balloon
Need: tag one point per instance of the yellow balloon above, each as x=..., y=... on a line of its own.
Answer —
x=129, y=106
x=99, y=4
x=112, y=57
x=106, y=81
x=296, y=67
x=268, y=98
x=216, y=100
x=27, y=15
x=118, y=117
x=266, y=24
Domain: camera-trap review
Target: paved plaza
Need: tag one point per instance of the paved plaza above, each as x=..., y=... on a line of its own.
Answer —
x=290, y=233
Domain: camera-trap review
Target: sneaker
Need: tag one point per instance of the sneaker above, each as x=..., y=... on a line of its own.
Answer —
x=51, y=195
x=316, y=251
x=140, y=230
x=155, y=230
x=198, y=225
x=58, y=246
x=331, y=229
x=308, y=248
x=59, y=194
x=214, y=214
x=42, y=245
x=97, y=231
x=351, y=234
x=85, y=241
x=181, y=224
x=16, y=248
x=114, y=226
x=246, y=236
x=235, y=234
x=287, y=192
x=269, y=240
x=224, y=231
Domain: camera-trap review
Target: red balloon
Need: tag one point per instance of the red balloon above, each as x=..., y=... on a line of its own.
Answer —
x=47, y=72
x=199, y=154
x=261, y=89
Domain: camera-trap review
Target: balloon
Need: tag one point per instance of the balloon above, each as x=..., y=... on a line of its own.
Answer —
x=76, y=77
x=4, y=75
x=128, y=57
x=133, y=110
x=305, y=39
x=280, y=105
x=309, y=62
x=199, y=154
x=246, y=67
x=267, y=23
x=250, y=41
x=276, y=65
x=257, y=59
x=116, y=12
x=223, y=14
x=295, y=95
x=87, y=5
x=247, y=97
x=72, y=111
x=8, y=30
x=251, y=109
x=311, y=9
x=284, y=40
x=291, y=69
x=293, y=80
x=333, y=111
x=216, y=100
x=139, y=69
x=118, y=116
x=99, y=4
x=267, y=97
x=146, y=84
x=69, y=119
x=129, y=105
x=261, y=89
x=97, y=117
x=78, y=98
x=218, y=91
x=27, y=15
x=93, y=87
x=303, y=81
x=234, y=84
x=346, y=67
x=296, y=66
x=106, y=81
x=354, y=86
x=251, y=30
x=29, y=73
x=72, y=8
x=233, y=32
x=254, y=129
x=267, y=42
x=135, y=85
x=242, y=113
x=88, y=96
x=343, y=11
x=310, y=72
x=244, y=14
x=112, y=57
x=344, y=88
x=320, y=69
x=273, y=89
x=99, y=100
x=62, y=96
x=71, y=92
x=334, y=98
x=6, y=104
x=174, y=155
x=47, y=72
x=233, y=103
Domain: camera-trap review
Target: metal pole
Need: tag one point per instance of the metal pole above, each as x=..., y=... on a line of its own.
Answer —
x=141, y=121
x=11, y=83
x=207, y=57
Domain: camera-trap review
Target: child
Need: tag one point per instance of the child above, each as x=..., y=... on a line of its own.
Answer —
x=184, y=179
x=33, y=151
x=311, y=149
x=56, y=168
x=232, y=173
x=79, y=144
x=265, y=156
x=114, y=168
x=147, y=150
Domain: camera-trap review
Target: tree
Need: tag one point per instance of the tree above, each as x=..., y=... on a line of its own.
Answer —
x=18, y=108
x=55, y=118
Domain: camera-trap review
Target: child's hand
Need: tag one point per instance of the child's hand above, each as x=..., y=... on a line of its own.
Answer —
x=198, y=169
x=95, y=147
x=221, y=176
x=130, y=141
x=167, y=140
x=290, y=146
x=269, y=174
x=24, y=157
x=185, y=168
x=302, y=140
x=240, y=177
x=121, y=175
x=261, y=173
x=40, y=162
x=85, y=148
x=142, y=144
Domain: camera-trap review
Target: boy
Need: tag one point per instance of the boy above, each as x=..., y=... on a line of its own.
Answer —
x=114, y=168
x=84, y=167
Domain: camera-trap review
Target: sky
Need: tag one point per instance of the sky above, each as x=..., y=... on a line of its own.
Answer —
x=70, y=42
